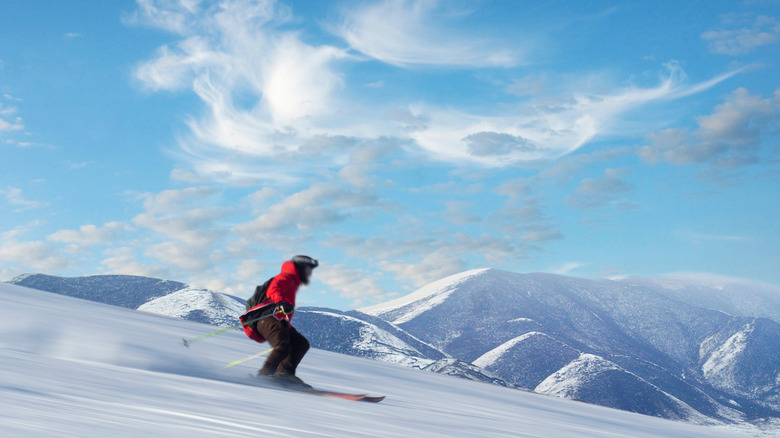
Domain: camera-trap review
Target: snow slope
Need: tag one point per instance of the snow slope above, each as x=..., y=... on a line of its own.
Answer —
x=73, y=368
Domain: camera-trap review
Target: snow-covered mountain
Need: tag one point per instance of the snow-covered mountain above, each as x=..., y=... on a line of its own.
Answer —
x=352, y=333
x=733, y=296
x=634, y=344
x=153, y=295
x=630, y=345
x=128, y=291
x=107, y=371
x=593, y=379
x=357, y=334
x=333, y=330
x=527, y=359
x=199, y=305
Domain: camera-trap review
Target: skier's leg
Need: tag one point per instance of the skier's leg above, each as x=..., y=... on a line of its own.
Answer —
x=277, y=333
x=299, y=346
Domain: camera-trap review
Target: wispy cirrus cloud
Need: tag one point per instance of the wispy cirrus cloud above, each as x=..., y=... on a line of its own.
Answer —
x=409, y=32
x=546, y=128
x=263, y=87
x=271, y=98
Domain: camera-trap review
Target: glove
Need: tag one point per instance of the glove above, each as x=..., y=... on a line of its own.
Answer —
x=284, y=307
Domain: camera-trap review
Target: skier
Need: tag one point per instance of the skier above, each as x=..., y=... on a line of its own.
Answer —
x=278, y=299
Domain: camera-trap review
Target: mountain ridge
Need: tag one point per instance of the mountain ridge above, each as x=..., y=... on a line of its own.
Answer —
x=539, y=325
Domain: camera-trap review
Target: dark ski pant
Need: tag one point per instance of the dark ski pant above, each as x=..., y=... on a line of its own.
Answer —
x=289, y=346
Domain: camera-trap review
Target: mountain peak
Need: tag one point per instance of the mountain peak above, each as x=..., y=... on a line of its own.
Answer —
x=431, y=295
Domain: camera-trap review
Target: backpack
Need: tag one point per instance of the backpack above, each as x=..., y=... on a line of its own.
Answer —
x=259, y=295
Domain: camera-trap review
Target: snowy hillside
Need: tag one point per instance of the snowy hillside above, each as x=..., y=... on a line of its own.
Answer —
x=593, y=379
x=334, y=331
x=528, y=358
x=357, y=334
x=128, y=291
x=199, y=305
x=107, y=371
x=667, y=358
x=405, y=308
x=523, y=329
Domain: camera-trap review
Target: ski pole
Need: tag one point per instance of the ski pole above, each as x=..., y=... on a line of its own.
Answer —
x=240, y=361
x=187, y=342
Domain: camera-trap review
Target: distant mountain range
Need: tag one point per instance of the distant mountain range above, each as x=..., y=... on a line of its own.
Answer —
x=673, y=347
x=128, y=291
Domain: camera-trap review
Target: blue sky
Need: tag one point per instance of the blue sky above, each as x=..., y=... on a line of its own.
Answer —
x=396, y=141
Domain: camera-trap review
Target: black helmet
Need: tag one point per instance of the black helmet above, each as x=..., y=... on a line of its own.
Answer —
x=302, y=260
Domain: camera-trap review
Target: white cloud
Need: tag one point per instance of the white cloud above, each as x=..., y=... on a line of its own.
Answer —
x=122, y=260
x=72, y=35
x=402, y=32
x=601, y=192
x=422, y=255
x=258, y=198
x=567, y=268
x=35, y=255
x=190, y=258
x=317, y=206
x=544, y=129
x=171, y=15
x=431, y=267
x=528, y=85
x=255, y=80
x=251, y=270
x=89, y=235
x=355, y=284
x=762, y=31
x=81, y=165
x=460, y=213
x=732, y=136
x=705, y=237
x=363, y=160
x=178, y=174
x=168, y=213
x=7, y=120
x=271, y=99
x=13, y=196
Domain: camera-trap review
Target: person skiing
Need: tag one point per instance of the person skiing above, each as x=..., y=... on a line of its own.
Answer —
x=277, y=298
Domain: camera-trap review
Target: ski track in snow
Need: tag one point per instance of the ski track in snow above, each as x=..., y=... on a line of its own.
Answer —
x=73, y=368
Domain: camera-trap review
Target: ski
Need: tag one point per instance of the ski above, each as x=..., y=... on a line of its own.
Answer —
x=269, y=383
x=341, y=395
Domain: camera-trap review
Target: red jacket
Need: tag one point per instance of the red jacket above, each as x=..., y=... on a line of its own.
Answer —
x=282, y=288
x=285, y=285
